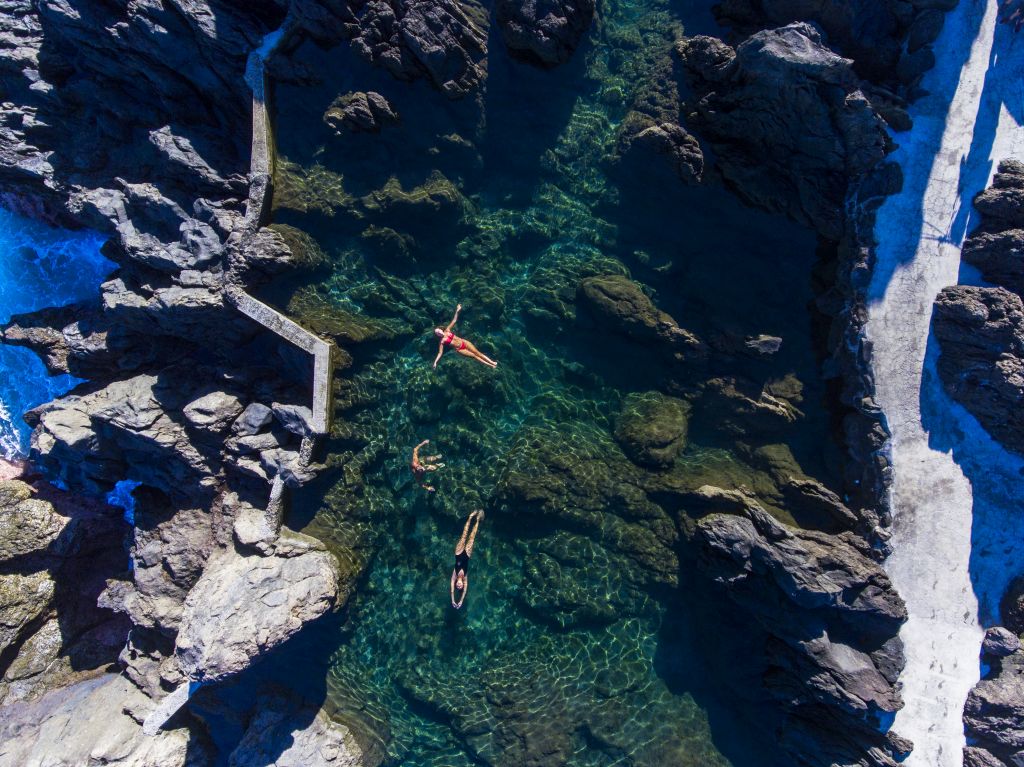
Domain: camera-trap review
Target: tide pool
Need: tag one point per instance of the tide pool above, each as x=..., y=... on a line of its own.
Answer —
x=40, y=266
x=588, y=638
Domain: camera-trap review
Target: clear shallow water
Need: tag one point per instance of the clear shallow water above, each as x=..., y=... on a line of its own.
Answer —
x=587, y=637
x=40, y=266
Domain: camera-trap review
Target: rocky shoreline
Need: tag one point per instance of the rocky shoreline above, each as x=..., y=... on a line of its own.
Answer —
x=980, y=333
x=175, y=402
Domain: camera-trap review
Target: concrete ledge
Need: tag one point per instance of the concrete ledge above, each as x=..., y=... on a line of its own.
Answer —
x=260, y=195
x=294, y=333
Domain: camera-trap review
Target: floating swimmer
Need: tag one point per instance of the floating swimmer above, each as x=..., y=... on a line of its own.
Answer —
x=420, y=468
x=461, y=345
x=463, y=551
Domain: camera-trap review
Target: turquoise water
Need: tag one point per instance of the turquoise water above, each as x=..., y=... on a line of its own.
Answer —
x=40, y=266
x=587, y=637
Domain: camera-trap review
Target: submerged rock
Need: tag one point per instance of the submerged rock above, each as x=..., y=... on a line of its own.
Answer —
x=360, y=112
x=544, y=32
x=651, y=428
x=618, y=304
x=673, y=142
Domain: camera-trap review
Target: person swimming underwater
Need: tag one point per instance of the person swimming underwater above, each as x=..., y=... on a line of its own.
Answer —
x=463, y=551
x=420, y=468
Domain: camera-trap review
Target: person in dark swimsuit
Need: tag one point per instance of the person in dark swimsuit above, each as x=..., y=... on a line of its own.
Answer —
x=461, y=345
x=463, y=551
x=420, y=468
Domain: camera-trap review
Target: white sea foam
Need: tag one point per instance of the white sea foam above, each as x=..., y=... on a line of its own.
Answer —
x=957, y=532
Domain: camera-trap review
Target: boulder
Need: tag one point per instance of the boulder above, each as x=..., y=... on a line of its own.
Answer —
x=1002, y=205
x=996, y=247
x=789, y=125
x=981, y=362
x=213, y=411
x=871, y=32
x=994, y=713
x=253, y=419
x=544, y=32
x=999, y=642
x=311, y=739
x=999, y=256
x=651, y=428
x=360, y=112
x=27, y=526
x=247, y=604
x=298, y=419
x=24, y=599
x=616, y=303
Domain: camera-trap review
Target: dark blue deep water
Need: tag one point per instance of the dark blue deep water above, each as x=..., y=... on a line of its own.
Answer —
x=40, y=266
x=587, y=637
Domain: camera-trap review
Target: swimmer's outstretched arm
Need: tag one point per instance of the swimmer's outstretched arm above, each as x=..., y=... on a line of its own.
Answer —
x=451, y=324
x=440, y=351
x=452, y=589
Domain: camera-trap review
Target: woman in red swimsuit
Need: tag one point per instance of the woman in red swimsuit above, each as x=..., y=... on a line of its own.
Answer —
x=461, y=345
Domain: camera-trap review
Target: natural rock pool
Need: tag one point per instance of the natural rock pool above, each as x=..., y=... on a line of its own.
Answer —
x=588, y=636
